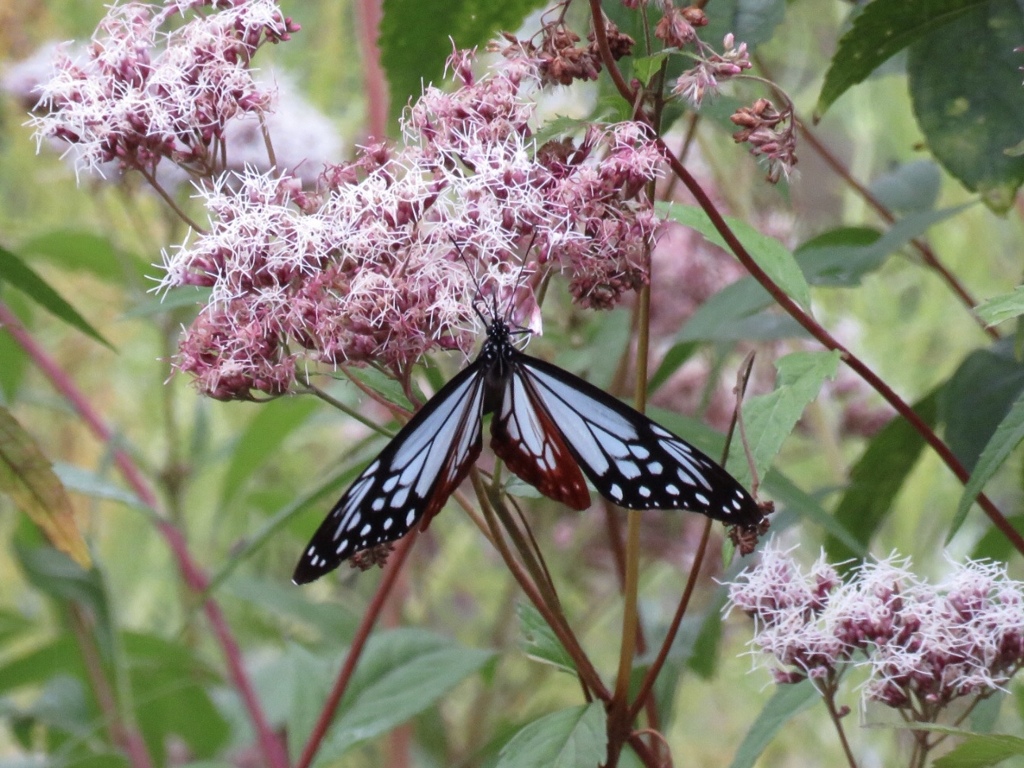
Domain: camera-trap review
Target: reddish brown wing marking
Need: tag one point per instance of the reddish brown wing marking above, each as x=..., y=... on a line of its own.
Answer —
x=524, y=436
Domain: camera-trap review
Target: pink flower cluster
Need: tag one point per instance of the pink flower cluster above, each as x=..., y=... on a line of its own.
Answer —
x=141, y=94
x=923, y=644
x=383, y=261
x=711, y=68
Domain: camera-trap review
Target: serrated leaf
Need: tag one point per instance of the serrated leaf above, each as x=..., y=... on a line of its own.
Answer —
x=1007, y=436
x=881, y=30
x=771, y=255
x=980, y=751
x=1006, y=306
x=416, y=38
x=262, y=438
x=27, y=476
x=877, y=478
x=770, y=418
x=788, y=701
x=570, y=738
x=969, y=121
x=401, y=673
x=540, y=641
x=17, y=273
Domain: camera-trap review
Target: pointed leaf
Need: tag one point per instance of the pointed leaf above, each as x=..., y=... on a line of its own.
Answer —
x=977, y=398
x=1007, y=436
x=262, y=439
x=83, y=252
x=540, y=641
x=769, y=419
x=1006, y=306
x=877, y=478
x=882, y=29
x=981, y=751
x=771, y=255
x=570, y=738
x=401, y=673
x=17, y=273
x=27, y=476
x=788, y=700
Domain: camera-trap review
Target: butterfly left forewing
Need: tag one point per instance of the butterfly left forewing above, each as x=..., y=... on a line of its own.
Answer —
x=630, y=459
x=407, y=483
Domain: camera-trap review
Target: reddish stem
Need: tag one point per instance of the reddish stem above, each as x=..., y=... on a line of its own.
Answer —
x=368, y=16
x=394, y=567
x=928, y=256
x=191, y=572
x=827, y=341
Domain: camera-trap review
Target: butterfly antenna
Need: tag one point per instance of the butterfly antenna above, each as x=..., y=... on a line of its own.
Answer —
x=472, y=274
x=519, y=278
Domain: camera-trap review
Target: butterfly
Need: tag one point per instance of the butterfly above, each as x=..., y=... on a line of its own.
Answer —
x=551, y=428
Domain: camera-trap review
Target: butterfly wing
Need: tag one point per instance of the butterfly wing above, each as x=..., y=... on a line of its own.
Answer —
x=531, y=445
x=409, y=481
x=630, y=459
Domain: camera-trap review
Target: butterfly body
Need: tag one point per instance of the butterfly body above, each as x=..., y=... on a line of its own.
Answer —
x=550, y=428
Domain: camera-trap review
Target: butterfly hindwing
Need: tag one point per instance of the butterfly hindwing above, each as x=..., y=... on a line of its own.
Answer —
x=630, y=459
x=531, y=445
x=409, y=481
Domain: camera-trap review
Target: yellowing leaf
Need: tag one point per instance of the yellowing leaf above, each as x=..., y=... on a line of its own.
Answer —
x=27, y=477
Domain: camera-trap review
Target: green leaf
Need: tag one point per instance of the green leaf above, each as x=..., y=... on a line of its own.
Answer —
x=17, y=273
x=673, y=360
x=285, y=604
x=84, y=252
x=305, y=684
x=846, y=266
x=769, y=253
x=646, y=67
x=751, y=21
x=770, y=418
x=788, y=701
x=977, y=397
x=170, y=696
x=877, y=478
x=81, y=480
x=401, y=673
x=176, y=298
x=884, y=28
x=27, y=477
x=981, y=751
x=969, y=121
x=787, y=494
x=570, y=738
x=262, y=440
x=417, y=37
x=911, y=187
x=1007, y=436
x=540, y=641
x=1003, y=307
